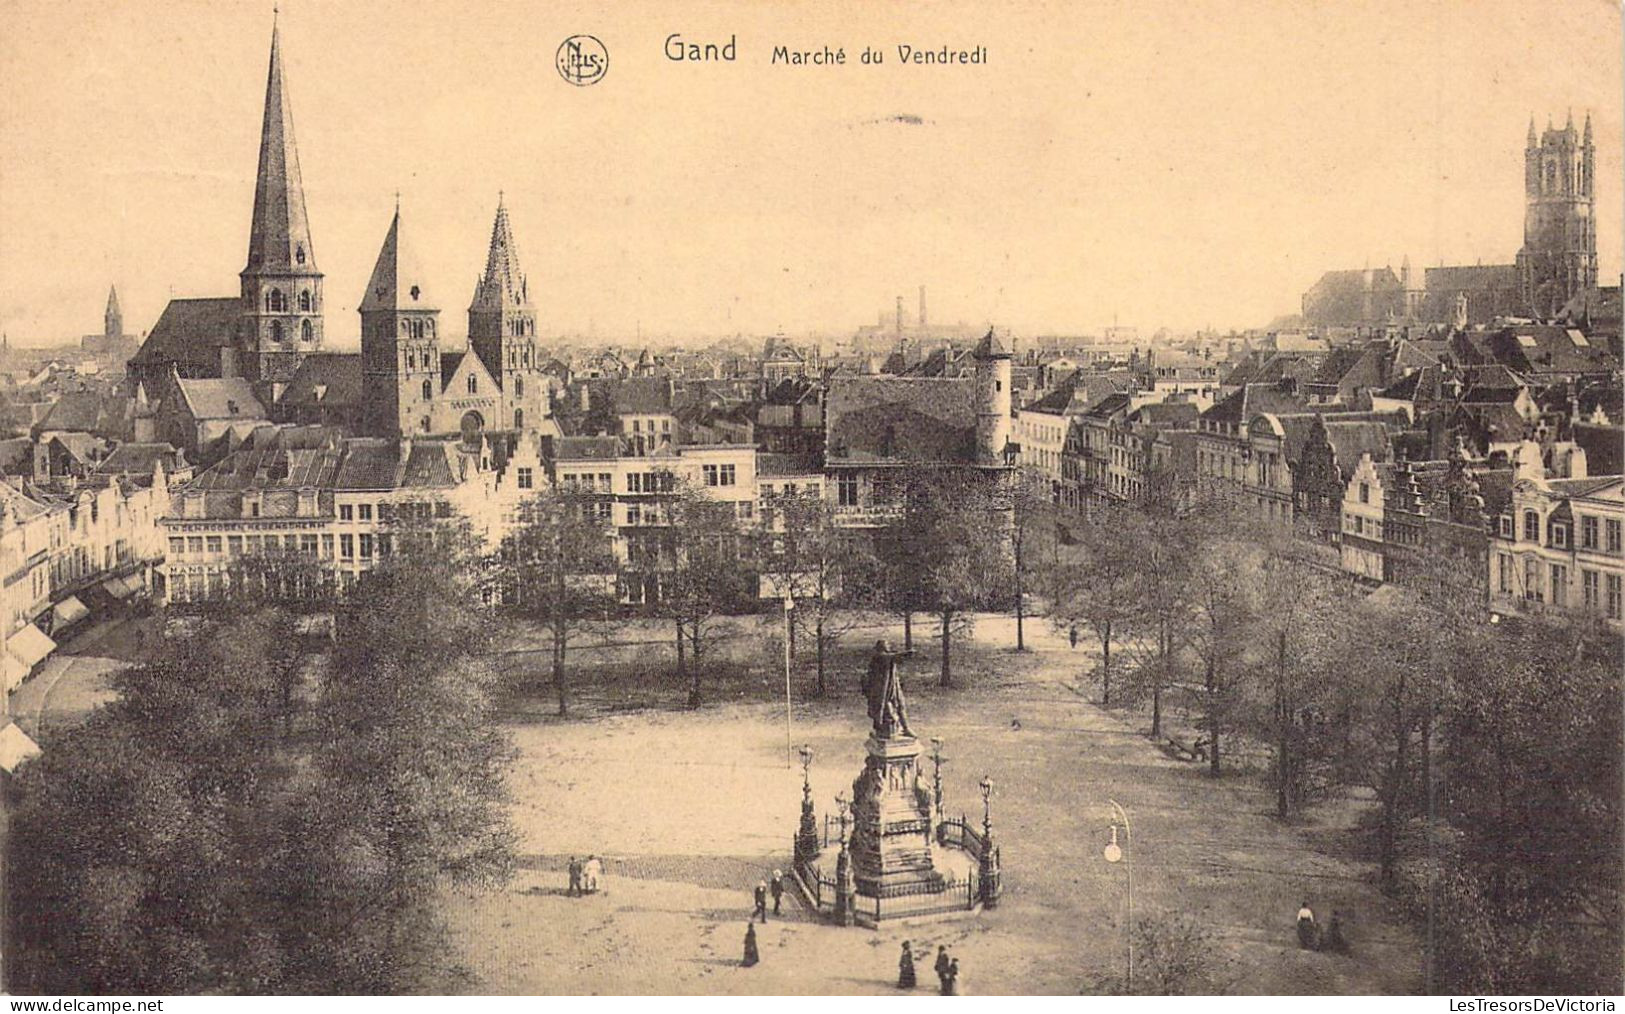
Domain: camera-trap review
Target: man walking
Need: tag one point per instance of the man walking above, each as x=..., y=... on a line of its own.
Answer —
x=941, y=968
x=1307, y=937
x=778, y=889
x=575, y=877
x=761, y=902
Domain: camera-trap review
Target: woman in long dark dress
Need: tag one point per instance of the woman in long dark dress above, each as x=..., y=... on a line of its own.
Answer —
x=905, y=968
x=751, y=954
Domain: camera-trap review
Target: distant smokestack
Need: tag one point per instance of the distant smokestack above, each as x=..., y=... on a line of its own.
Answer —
x=922, y=308
x=899, y=316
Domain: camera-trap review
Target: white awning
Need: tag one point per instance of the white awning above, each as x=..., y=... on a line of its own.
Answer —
x=70, y=610
x=16, y=746
x=30, y=645
x=116, y=588
x=134, y=585
x=12, y=671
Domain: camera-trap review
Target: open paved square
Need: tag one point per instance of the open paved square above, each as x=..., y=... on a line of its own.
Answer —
x=691, y=808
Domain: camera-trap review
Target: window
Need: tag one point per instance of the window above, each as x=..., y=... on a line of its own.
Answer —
x=194, y=543
x=746, y=509
x=327, y=547
x=665, y=425
x=1560, y=535
x=637, y=425
x=275, y=301
x=234, y=545
x=1357, y=524
x=366, y=547
x=307, y=331
x=1613, y=597
x=710, y=473
x=1531, y=526
x=1506, y=528
x=846, y=490
x=519, y=387
x=518, y=418
x=526, y=478
x=346, y=512
x=308, y=544
x=1506, y=572
x=814, y=490
x=473, y=384
x=1365, y=492
x=1588, y=589
x=276, y=330
x=634, y=514
x=604, y=481
x=1560, y=585
x=290, y=543
x=364, y=511
x=1588, y=532
x=177, y=546
x=347, y=547
x=304, y=301
x=1613, y=536
x=1531, y=578
x=726, y=476
x=251, y=543
x=428, y=391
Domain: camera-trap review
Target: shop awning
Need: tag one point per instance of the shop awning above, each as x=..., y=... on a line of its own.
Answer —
x=117, y=588
x=12, y=671
x=30, y=645
x=134, y=585
x=70, y=610
x=16, y=746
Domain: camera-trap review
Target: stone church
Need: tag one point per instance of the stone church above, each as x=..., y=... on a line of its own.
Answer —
x=266, y=344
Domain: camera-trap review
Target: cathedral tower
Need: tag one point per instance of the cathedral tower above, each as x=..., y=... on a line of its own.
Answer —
x=281, y=287
x=400, y=344
x=992, y=399
x=502, y=330
x=1559, y=255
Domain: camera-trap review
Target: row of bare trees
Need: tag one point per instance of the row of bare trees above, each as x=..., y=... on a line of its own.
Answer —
x=1491, y=749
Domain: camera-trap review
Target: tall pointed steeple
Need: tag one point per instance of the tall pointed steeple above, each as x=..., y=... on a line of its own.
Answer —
x=279, y=236
x=502, y=328
x=281, y=285
x=400, y=343
x=113, y=318
x=1531, y=141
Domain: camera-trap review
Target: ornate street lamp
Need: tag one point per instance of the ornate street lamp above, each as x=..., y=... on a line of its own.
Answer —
x=807, y=835
x=845, y=885
x=988, y=867
x=1115, y=853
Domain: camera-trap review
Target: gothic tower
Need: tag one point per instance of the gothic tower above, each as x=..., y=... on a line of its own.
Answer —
x=502, y=330
x=400, y=345
x=113, y=318
x=1559, y=255
x=992, y=399
x=281, y=287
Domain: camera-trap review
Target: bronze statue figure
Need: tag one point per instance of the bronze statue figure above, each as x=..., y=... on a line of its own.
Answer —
x=883, y=688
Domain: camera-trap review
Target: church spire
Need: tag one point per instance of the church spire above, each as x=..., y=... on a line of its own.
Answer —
x=503, y=284
x=279, y=236
x=113, y=318
x=1531, y=130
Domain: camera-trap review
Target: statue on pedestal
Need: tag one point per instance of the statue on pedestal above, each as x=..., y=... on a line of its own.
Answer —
x=883, y=688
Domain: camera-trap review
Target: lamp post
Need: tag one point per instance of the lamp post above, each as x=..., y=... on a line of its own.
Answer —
x=845, y=886
x=936, y=775
x=789, y=604
x=988, y=867
x=1115, y=853
x=807, y=839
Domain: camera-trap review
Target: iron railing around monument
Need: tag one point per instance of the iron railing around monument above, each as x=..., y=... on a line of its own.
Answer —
x=957, y=832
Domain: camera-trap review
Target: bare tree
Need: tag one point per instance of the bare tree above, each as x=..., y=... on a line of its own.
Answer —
x=825, y=568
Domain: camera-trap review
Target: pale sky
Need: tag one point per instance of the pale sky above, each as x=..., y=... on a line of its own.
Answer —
x=1169, y=164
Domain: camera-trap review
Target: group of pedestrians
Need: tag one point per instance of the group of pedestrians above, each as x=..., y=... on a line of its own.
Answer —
x=585, y=875
x=763, y=890
x=947, y=969
x=1311, y=937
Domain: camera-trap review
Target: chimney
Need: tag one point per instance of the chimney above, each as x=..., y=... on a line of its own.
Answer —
x=921, y=321
x=899, y=316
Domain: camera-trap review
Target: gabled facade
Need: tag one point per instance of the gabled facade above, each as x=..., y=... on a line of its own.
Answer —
x=1559, y=547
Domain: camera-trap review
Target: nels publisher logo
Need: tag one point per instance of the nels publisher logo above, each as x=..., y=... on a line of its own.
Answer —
x=582, y=60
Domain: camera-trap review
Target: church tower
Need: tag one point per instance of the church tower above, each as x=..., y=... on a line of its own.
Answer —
x=992, y=399
x=502, y=330
x=400, y=344
x=1559, y=255
x=281, y=286
x=113, y=318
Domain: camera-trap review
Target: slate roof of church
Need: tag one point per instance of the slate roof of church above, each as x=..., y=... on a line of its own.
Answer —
x=900, y=419
x=336, y=375
x=191, y=332
x=221, y=398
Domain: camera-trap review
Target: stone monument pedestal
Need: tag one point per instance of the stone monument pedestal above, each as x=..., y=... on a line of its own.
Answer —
x=892, y=830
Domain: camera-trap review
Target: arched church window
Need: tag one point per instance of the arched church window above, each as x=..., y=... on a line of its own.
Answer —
x=307, y=331
x=428, y=328
x=406, y=328
x=276, y=330
x=518, y=418
x=304, y=301
x=519, y=387
x=424, y=422
x=473, y=384
x=299, y=254
x=428, y=391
